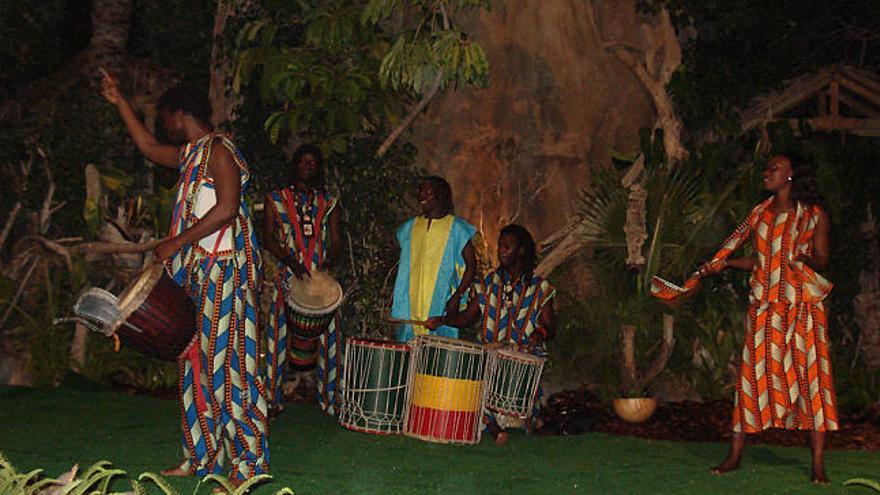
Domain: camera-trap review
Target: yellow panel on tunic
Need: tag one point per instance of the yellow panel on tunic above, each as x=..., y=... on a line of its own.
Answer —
x=428, y=246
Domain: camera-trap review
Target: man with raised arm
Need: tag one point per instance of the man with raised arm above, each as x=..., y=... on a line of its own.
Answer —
x=211, y=251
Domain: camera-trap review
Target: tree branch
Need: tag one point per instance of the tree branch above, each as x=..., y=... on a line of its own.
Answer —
x=423, y=103
x=115, y=247
x=21, y=286
x=10, y=221
x=411, y=116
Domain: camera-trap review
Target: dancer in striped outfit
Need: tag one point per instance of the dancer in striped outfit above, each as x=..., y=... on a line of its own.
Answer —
x=301, y=230
x=212, y=252
x=512, y=305
x=785, y=376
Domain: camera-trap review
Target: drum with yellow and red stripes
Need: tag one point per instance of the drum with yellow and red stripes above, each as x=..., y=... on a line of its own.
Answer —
x=445, y=393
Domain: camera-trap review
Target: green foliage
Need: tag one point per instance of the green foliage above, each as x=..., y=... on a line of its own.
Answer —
x=744, y=48
x=329, y=70
x=99, y=477
x=687, y=215
x=316, y=67
x=414, y=66
x=374, y=197
x=432, y=45
x=874, y=485
x=37, y=41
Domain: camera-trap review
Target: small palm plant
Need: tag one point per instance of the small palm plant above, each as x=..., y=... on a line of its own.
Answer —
x=638, y=221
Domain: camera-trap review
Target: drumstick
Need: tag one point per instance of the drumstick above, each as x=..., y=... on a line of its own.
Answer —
x=407, y=322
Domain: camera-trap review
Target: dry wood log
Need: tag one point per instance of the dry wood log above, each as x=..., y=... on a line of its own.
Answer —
x=634, y=381
x=666, y=345
x=658, y=58
x=629, y=379
x=573, y=242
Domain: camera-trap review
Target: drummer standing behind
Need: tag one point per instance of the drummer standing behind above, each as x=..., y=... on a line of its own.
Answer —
x=212, y=252
x=437, y=261
x=301, y=230
x=513, y=306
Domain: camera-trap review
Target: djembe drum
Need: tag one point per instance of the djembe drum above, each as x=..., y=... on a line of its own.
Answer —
x=311, y=303
x=152, y=315
x=374, y=385
x=511, y=383
x=444, y=400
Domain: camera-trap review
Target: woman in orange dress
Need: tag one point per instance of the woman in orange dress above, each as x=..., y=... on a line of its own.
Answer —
x=785, y=376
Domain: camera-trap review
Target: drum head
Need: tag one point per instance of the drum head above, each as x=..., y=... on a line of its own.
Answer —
x=514, y=355
x=137, y=291
x=318, y=294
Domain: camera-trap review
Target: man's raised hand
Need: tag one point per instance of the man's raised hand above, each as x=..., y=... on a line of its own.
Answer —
x=110, y=87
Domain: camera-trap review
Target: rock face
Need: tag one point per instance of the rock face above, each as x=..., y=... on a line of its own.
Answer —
x=522, y=149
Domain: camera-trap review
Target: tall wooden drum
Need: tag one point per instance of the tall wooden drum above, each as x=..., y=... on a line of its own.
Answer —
x=374, y=385
x=445, y=397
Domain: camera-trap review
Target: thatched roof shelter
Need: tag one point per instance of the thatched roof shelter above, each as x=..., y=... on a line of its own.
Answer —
x=841, y=98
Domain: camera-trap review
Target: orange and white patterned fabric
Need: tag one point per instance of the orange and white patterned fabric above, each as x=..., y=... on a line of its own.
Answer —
x=785, y=378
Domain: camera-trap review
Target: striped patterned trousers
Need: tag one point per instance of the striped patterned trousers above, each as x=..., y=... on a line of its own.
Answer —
x=785, y=378
x=324, y=353
x=222, y=399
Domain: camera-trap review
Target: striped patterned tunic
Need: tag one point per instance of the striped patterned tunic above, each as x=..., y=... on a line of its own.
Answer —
x=516, y=319
x=785, y=377
x=323, y=353
x=222, y=399
x=308, y=250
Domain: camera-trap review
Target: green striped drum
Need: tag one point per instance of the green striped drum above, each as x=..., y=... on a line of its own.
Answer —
x=512, y=379
x=374, y=384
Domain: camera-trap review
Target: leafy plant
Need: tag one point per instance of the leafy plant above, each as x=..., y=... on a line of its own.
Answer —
x=374, y=196
x=98, y=478
x=316, y=66
x=874, y=485
x=683, y=208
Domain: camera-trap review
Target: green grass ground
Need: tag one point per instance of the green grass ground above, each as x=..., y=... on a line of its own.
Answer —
x=53, y=429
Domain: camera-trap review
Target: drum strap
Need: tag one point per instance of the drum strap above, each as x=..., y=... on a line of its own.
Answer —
x=307, y=252
x=191, y=354
x=213, y=256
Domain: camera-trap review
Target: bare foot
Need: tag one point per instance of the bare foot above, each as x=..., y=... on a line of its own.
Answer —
x=819, y=477
x=175, y=471
x=501, y=438
x=235, y=484
x=729, y=464
x=737, y=445
x=275, y=410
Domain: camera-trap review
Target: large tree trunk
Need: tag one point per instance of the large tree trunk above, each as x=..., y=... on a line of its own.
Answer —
x=559, y=102
x=111, y=23
x=223, y=101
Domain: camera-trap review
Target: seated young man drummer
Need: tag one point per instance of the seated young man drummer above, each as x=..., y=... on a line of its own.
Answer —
x=301, y=230
x=437, y=262
x=513, y=306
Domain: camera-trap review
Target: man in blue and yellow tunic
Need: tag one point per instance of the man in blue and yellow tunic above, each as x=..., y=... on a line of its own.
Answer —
x=437, y=262
x=301, y=230
x=512, y=305
x=212, y=252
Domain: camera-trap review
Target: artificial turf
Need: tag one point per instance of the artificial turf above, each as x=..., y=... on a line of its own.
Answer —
x=53, y=429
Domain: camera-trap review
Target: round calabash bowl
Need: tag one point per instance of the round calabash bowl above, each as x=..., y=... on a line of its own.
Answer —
x=636, y=410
